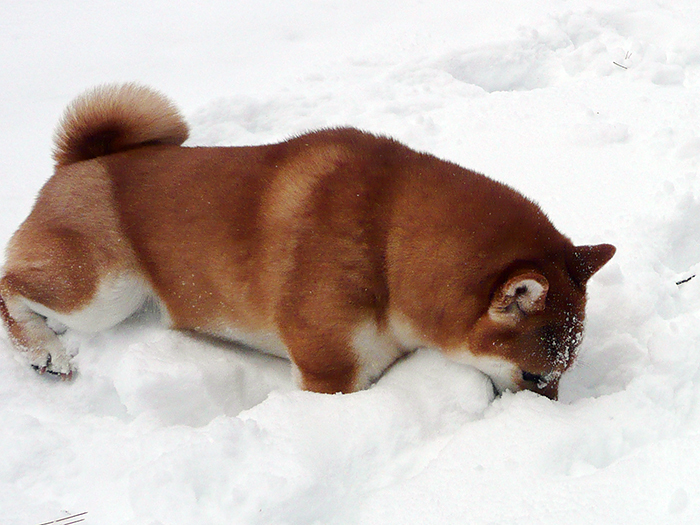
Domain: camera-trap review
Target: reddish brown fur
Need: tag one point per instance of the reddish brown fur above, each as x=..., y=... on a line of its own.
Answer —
x=306, y=239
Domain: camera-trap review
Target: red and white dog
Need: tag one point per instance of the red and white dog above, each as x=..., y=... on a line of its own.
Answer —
x=339, y=249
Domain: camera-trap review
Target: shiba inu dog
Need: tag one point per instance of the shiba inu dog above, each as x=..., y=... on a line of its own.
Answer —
x=339, y=249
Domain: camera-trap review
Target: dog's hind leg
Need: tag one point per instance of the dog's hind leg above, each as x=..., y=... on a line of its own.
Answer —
x=61, y=279
x=30, y=333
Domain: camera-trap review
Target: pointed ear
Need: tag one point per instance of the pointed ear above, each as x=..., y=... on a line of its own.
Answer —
x=522, y=294
x=587, y=260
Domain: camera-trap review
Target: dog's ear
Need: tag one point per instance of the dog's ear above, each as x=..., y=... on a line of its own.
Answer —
x=587, y=260
x=522, y=294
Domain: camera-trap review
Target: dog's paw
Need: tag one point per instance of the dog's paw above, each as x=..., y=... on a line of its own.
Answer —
x=57, y=364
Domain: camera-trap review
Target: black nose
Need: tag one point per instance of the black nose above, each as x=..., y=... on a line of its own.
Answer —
x=532, y=378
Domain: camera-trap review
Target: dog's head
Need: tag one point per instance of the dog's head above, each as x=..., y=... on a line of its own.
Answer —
x=530, y=332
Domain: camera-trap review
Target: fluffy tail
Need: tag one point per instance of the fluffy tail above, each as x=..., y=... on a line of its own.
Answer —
x=115, y=117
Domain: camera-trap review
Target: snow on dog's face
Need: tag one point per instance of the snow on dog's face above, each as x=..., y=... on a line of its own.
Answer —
x=531, y=331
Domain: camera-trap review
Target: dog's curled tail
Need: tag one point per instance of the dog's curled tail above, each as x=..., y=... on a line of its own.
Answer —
x=115, y=117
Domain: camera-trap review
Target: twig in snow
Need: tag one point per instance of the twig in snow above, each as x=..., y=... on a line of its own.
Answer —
x=64, y=521
x=685, y=280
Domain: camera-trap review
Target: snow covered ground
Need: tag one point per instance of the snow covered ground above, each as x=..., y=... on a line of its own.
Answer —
x=592, y=108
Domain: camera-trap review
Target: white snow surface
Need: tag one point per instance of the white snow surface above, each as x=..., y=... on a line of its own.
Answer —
x=591, y=108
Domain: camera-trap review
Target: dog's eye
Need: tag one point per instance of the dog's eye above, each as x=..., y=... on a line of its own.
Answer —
x=532, y=378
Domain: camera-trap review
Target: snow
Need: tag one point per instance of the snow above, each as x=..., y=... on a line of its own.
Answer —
x=590, y=108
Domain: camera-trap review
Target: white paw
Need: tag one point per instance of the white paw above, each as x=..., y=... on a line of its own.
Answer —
x=57, y=363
